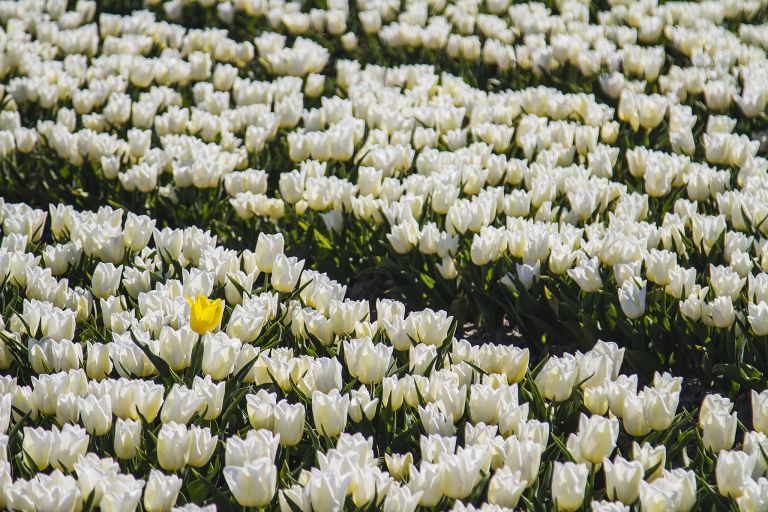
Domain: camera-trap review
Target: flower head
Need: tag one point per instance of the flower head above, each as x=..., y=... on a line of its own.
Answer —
x=204, y=314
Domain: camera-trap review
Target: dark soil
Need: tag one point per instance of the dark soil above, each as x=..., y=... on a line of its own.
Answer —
x=366, y=289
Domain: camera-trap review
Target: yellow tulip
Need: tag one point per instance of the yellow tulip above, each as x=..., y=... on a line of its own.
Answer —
x=204, y=315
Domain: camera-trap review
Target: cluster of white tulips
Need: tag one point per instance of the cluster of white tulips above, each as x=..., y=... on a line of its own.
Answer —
x=464, y=176
x=118, y=377
x=598, y=163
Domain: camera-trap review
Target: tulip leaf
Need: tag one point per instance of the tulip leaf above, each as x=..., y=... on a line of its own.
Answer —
x=222, y=503
x=159, y=363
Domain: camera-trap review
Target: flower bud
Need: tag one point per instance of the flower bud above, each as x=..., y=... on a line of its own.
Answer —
x=398, y=465
x=597, y=437
x=330, y=412
x=96, y=414
x=106, y=280
x=622, y=479
x=289, y=422
x=650, y=457
x=252, y=485
x=733, y=470
x=632, y=298
x=127, y=438
x=161, y=491
x=505, y=488
x=201, y=446
x=286, y=272
x=37, y=447
x=557, y=378
x=719, y=430
x=659, y=408
x=569, y=482
x=204, y=315
x=760, y=411
x=658, y=497
x=98, y=363
x=328, y=489
x=219, y=355
x=173, y=446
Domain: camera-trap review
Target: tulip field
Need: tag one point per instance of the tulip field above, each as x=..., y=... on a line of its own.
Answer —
x=370, y=255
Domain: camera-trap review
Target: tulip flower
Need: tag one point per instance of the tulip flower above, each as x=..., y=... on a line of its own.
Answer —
x=719, y=430
x=632, y=298
x=401, y=499
x=327, y=489
x=760, y=411
x=330, y=412
x=361, y=405
x=569, y=482
x=68, y=445
x=505, y=488
x=204, y=315
x=96, y=414
x=754, y=495
x=252, y=485
x=685, y=481
x=711, y=404
x=659, y=497
x=398, y=465
x=596, y=399
x=758, y=318
x=618, y=390
x=458, y=474
x=286, y=272
x=161, y=491
x=732, y=471
x=557, y=378
x=622, y=479
x=650, y=457
x=106, y=280
x=289, y=422
x=201, y=446
x=587, y=275
x=219, y=355
x=597, y=437
x=127, y=438
x=659, y=407
x=608, y=506
x=173, y=446
x=38, y=447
